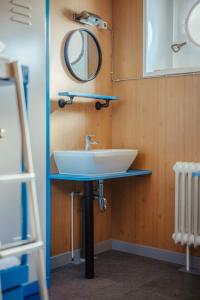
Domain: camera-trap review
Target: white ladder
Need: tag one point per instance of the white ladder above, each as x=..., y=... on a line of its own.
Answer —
x=14, y=70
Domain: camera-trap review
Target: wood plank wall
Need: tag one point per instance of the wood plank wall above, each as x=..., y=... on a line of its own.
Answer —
x=71, y=124
x=158, y=116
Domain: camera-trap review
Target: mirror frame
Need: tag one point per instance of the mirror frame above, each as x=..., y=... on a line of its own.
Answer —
x=66, y=46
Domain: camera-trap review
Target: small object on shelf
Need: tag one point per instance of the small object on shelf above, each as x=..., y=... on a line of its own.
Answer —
x=71, y=95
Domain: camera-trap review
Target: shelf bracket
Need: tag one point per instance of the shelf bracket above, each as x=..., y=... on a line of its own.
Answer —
x=63, y=102
x=100, y=105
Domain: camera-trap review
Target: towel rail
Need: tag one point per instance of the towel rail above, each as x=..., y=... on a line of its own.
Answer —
x=18, y=177
x=24, y=249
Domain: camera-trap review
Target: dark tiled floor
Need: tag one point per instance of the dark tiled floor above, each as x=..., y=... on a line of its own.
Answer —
x=125, y=276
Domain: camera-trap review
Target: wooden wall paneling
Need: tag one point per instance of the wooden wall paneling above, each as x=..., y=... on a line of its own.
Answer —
x=123, y=25
x=121, y=229
x=60, y=226
x=71, y=124
x=147, y=144
x=158, y=116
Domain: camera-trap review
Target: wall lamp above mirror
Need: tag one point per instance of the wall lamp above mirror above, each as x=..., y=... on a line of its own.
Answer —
x=88, y=18
x=83, y=55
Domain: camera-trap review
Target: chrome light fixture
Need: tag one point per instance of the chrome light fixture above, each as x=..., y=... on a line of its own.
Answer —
x=91, y=19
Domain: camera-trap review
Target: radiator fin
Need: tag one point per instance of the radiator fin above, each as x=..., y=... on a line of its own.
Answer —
x=187, y=204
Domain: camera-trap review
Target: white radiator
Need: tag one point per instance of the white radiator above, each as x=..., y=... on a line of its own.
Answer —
x=187, y=204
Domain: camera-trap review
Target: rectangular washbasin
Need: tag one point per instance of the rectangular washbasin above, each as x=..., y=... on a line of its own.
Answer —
x=94, y=162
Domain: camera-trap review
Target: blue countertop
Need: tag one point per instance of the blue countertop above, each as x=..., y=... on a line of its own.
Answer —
x=130, y=173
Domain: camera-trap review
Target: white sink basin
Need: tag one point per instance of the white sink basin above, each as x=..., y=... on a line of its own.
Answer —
x=94, y=162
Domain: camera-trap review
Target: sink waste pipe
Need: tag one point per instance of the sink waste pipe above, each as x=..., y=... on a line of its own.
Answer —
x=102, y=199
x=100, y=196
x=102, y=206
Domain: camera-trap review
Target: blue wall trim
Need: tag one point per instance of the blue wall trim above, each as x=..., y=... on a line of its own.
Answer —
x=24, y=194
x=48, y=204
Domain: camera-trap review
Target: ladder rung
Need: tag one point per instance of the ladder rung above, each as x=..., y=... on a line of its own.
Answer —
x=16, y=244
x=25, y=249
x=18, y=177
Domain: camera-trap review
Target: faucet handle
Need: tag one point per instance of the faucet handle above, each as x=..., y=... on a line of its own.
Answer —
x=88, y=137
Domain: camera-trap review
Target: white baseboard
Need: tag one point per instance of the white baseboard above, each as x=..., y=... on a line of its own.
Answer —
x=155, y=253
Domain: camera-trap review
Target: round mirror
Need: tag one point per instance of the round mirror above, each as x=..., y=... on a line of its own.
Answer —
x=193, y=24
x=83, y=55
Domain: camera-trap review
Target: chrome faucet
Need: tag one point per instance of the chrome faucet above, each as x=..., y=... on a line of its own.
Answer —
x=89, y=142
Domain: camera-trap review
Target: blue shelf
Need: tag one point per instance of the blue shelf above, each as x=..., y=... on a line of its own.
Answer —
x=72, y=95
x=131, y=173
x=87, y=95
x=196, y=174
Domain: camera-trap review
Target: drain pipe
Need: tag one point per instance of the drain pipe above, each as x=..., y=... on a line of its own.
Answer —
x=72, y=195
x=102, y=206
